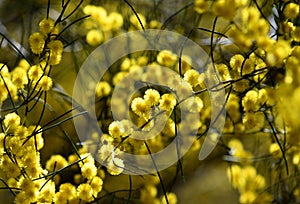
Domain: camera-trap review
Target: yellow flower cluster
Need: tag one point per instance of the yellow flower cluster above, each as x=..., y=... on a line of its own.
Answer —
x=45, y=44
x=249, y=183
x=101, y=25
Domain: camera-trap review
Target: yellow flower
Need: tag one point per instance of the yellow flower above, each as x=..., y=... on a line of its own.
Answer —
x=45, y=83
x=12, y=120
x=167, y=102
x=291, y=11
x=96, y=184
x=85, y=192
x=247, y=197
x=89, y=170
x=116, y=129
x=223, y=72
x=56, y=161
x=278, y=52
x=166, y=58
x=200, y=6
x=135, y=22
x=172, y=198
x=19, y=77
x=116, y=20
x=46, y=26
x=115, y=166
x=250, y=101
x=141, y=107
x=37, y=43
x=103, y=89
x=94, y=37
x=47, y=193
x=35, y=72
x=152, y=97
x=192, y=77
x=68, y=190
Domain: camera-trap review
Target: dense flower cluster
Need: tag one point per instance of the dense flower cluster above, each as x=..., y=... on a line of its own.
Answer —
x=255, y=50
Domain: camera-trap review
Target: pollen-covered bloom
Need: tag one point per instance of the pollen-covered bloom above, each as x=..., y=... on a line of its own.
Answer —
x=94, y=37
x=192, y=77
x=46, y=25
x=36, y=42
x=12, y=120
x=137, y=22
x=152, y=96
x=141, y=107
x=85, y=192
x=200, y=6
x=167, y=102
x=45, y=83
x=115, y=166
x=166, y=58
x=103, y=89
x=116, y=129
x=89, y=170
x=291, y=10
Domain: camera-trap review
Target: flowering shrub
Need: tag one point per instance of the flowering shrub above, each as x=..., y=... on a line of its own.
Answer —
x=255, y=50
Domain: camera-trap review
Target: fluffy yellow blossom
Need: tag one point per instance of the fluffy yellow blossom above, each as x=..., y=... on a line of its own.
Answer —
x=236, y=62
x=56, y=49
x=115, y=166
x=250, y=101
x=94, y=37
x=247, y=197
x=141, y=107
x=56, y=161
x=278, y=52
x=89, y=170
x=85, y=192
x=36, y=42
x=68, y=190
x=234, y=175
x=119, y=77
x=200, y=6
x=47, y=193
x=154, y=24
x=167, y=102
x=223, y=72
x=172, y=198
x=126, y=64
x=19, y=77
x=116, y=129
x=96, y=184
x=60, y=198
x=45, y=83
x=253, y=120
x=103, y=89
x=135, y=22
x=227, y=9
x=56, y=46
x=35, y=72
x=192, y=77
x=166, y=58
x=291, y=10
x=11, y=120
x=152, y=97
x=46, y=26
x=296, y=159
x=116, y=20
